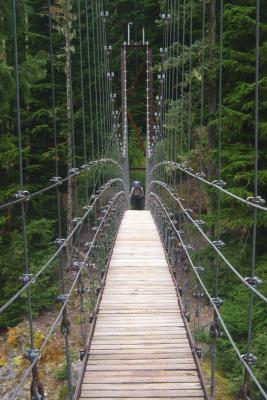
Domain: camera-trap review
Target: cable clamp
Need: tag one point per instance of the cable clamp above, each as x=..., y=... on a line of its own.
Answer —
x=188, y=247
x=77, y=220
x=219, y=182
x=199, y=269
x=218, y=244
x=249, y=358
x=190, y=170
x=256, y=200
x=60, y=242
x=74, y=171
x=82, y=355
x=32, y=354
x=217, y=301
x=188, y=210
x=22, y=194
x=104, y=14
x=61, y=298
x=180, y=232
x=165, y=16
x=77, y=265
x=110, y=75
x=24, y=279
x=197, y=294
x=214, y=330
x=198, y=352
x=201, y=175
x=56, y=179
x=108, y=49
x=199, y=222
x=82, y=290
x=187, y=316
x=87, y=245
x=65, y=326
x=253, y=281
x=84, y=166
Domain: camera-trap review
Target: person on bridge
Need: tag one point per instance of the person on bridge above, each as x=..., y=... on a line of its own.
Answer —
x=136, y=196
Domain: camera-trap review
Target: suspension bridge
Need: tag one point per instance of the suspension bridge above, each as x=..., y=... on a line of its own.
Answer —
x=134, y=278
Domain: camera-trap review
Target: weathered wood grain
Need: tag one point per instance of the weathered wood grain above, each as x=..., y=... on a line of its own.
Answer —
x=140, y=347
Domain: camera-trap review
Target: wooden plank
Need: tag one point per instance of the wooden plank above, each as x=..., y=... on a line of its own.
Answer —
x=140, y=348
x=183, y=393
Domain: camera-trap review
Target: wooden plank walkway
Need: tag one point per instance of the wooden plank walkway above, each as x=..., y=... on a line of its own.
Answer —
x=140, y=347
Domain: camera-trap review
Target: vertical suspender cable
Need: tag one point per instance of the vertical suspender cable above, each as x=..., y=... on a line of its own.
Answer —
x=89, y=80
x=23, y=213
x=177, y=69
x=95, y=79
x=218, y=217
x=255, y=212
x=182, y=83
x=202, y=84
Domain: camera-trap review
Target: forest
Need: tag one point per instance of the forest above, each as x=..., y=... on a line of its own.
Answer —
x=76, y=89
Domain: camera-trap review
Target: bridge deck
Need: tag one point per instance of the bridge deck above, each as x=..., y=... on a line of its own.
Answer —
x=140, y=347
